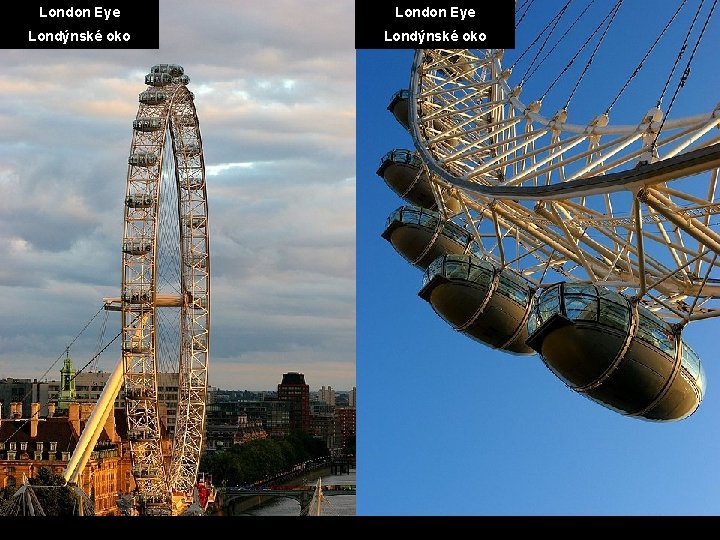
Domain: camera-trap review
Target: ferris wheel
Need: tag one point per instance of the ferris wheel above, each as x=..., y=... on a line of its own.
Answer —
x=589, y=244
x=165, y=291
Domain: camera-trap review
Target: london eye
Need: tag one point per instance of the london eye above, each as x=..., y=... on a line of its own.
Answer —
x=165, y=291
x=588, y=243
x=164, y=301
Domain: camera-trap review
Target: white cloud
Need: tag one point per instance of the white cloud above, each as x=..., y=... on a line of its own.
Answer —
x=274, y=86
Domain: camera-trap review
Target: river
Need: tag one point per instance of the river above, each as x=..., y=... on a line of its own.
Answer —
x=333, y=505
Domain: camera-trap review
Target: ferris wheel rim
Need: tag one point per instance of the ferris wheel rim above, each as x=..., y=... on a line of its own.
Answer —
x=166, y=126
x=560, y=216
x=597, y=128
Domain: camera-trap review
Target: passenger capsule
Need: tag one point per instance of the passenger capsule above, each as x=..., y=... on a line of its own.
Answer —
x=137, y=246
x=403, y=173
x=140, y=393
x=483, y=301
x=183, y=79
x=143, y=159
x=196, y=222
x=399, y=107
x=421, y=236
x=625, y=359
x=152, y=97
x=147, y=124
x=158, y=79
x=174, y=70
x=139, y=200
x=137, y=296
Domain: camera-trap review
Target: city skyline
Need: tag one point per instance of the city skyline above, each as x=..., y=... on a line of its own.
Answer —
x=274, y=88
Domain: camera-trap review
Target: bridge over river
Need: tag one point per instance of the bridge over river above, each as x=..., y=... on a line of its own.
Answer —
x=227, y=497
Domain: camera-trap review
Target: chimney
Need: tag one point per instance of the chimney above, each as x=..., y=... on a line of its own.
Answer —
x=34, y=417
x=86, y=410
x=110, y=426
x=51, y=409
x=16, y=409
x=74, y=417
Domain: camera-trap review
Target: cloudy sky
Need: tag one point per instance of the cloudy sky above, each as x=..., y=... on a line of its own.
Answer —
x=274, y=86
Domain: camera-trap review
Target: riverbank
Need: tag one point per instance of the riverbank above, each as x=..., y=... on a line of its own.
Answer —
x=337, y=504
x=243, y=505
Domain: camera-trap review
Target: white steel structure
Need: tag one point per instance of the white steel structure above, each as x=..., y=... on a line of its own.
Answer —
x=620, y=206
x=591, y=244
x=164, y=302
x=165, y=295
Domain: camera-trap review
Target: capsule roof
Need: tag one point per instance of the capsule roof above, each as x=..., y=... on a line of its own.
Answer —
x=174, y=70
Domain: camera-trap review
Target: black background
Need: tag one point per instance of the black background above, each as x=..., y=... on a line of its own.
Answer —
x=496, y=19
x=140, y=19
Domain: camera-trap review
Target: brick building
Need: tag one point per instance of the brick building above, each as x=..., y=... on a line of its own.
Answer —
x=296, y=393
x=29, y=443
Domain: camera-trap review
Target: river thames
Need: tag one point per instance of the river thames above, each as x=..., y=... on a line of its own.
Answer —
x=334, y=505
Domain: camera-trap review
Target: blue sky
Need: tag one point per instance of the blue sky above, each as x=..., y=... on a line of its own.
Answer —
x=447, y=426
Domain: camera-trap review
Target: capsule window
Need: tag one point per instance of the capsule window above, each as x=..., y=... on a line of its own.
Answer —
x=157, y=79
x=139, y=200
x=532, y=323
x=428, y=220
x=512, y=290
x=480, y=274
x=403, y=156
x=402, y=94
x=571, y=288
x=691, y=362
x=456, y=269
x=147, y=124
x=460, y=235
x=548, y=305
x=152, y=97
x=655, y=333
x=580, y=307
x=173, y=69
x=433, y=269
x=614, y=315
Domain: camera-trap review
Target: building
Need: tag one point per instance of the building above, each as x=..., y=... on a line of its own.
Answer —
x=66, y=394
x=232, y=421
x=345, y=418
x=31, y=442
x=15, y=391
x=296, y=393
x=351, y=399
x=322, y=422
x=87, y=386
x=327, y=395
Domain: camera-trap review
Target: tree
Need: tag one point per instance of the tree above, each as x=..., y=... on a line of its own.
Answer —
x=259, y=459
x=56, y=498
x=6, y=502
